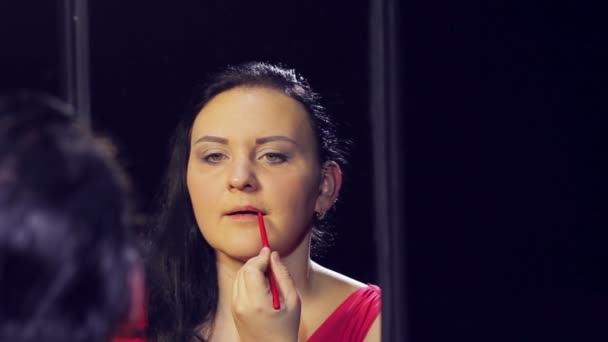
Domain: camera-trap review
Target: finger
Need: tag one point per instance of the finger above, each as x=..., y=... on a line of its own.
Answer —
x=284, y=281
x=254, y=279
x=235, y=287
x=250, y=288
x=260, y=262
x=238, y=300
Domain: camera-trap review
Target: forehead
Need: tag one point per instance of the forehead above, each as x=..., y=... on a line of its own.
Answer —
x=253, y=112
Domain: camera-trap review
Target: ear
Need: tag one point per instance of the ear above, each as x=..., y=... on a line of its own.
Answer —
x=329, y=187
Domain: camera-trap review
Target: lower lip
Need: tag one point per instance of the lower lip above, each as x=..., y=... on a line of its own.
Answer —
x=243, y=217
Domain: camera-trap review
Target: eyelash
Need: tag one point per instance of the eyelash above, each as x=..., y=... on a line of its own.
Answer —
x=210, y=158
x=274, y=155
x=271, y=157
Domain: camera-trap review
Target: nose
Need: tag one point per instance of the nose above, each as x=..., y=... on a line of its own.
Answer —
x=242, y=176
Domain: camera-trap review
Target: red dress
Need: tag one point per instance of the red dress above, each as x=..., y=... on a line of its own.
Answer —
x=351, y=321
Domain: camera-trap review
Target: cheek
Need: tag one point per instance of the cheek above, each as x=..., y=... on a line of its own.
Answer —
x=202, y=192
x=296, y=194
x=201, y=196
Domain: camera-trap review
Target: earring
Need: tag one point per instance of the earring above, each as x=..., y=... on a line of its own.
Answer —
x=320, y=215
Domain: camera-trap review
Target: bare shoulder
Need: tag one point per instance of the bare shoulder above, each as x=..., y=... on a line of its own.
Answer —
x=331, y=290
x=347, y=286
x=336, y=283
x=373, y=335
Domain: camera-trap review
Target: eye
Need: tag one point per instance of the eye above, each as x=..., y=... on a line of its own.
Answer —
x=214, y=158
x=275, y=158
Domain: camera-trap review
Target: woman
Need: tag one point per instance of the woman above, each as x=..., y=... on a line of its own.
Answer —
x=258, y=142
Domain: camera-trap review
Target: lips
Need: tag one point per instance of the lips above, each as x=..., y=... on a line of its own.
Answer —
x=244, y=210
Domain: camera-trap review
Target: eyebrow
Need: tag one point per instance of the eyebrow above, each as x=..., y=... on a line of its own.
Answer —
x=259, y=141
x=265, y=140
x=210, y=138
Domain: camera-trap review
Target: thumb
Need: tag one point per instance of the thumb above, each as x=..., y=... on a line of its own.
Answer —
x=284, y=280
x=252, y=274
x=259, y=262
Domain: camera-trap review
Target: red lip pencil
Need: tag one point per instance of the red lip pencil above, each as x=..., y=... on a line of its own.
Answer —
x=276, y=304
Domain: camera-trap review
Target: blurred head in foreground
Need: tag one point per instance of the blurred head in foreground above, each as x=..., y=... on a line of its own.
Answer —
x=65, y=256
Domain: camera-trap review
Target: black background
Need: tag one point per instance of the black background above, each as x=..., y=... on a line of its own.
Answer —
x=506, y=201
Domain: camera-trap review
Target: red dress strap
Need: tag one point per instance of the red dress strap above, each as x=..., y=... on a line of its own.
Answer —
x=351, y=321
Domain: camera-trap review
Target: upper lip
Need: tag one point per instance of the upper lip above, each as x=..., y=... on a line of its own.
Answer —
x=245, y=208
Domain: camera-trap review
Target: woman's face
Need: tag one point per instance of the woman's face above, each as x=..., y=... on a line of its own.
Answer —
x=253, y=148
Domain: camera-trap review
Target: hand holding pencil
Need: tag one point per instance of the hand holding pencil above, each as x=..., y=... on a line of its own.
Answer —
x=265, y=303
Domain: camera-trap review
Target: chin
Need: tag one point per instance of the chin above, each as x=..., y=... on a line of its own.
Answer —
x=240, y=254
x=240, y=249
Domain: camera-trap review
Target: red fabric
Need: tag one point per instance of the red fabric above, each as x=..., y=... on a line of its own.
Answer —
x=351, y=321
x=132, y=331
x=129, y=339
x=134, y=327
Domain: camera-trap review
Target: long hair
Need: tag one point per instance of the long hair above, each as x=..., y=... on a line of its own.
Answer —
x=64, y=250
x=183, y=276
